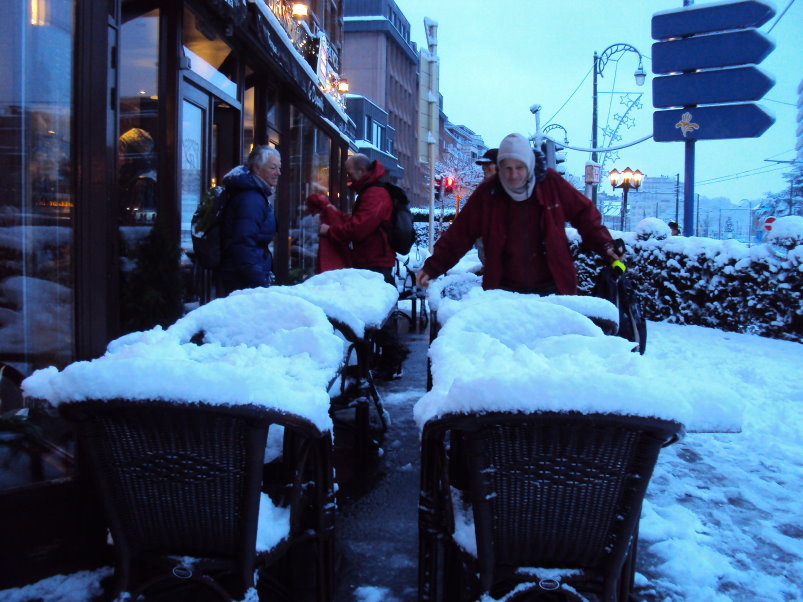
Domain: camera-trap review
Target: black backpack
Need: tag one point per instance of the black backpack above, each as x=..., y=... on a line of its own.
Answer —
x=207, y=228
x=614, y=285
x=400, y=231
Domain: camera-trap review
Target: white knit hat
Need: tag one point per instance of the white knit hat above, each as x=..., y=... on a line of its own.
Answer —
x=516, y=146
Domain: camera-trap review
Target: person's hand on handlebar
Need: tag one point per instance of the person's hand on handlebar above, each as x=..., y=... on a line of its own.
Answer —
x=422, y=279
x=612, y=255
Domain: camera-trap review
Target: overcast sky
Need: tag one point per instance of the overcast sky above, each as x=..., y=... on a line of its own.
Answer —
x=499, y=58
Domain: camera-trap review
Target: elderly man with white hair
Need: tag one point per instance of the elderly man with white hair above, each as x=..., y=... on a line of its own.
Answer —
x=520, y=215
x=249, y=223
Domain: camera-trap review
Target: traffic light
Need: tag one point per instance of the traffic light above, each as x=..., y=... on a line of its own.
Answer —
x=560, y=157
x=448, y=182
x=555, y=155
x=438, y=186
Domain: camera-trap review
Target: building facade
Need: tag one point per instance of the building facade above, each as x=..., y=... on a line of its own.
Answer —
x=374, y=137
x=381, y=64
x=117, y=117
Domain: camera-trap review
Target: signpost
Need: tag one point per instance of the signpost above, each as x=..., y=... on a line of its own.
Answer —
x=710, y=17
x=714, y=37
x=707, y=87
x=768, y=223
x=715, y=50
x=718, y=122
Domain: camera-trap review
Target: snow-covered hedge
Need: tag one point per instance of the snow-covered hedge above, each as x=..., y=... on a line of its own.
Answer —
x=719, y=283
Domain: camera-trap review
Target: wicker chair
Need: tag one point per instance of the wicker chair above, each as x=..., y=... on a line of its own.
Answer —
x=184, y=480
x=548, y=490
x=357, y=384
x=419, y=316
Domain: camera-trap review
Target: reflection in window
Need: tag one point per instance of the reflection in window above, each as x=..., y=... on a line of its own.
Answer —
x=192, y=150
x=210, y=57
x=309, y=160
x=272, y=116
x=148, y=258
x=36, y=208
x=249, y=112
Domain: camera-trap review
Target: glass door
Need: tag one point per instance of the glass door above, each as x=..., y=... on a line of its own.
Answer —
x=210, y=147
x=194, y=118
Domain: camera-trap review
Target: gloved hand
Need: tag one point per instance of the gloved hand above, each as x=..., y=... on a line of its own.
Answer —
x=317, y=202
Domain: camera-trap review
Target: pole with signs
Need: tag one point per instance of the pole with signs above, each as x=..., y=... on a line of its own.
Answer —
x=707, y=55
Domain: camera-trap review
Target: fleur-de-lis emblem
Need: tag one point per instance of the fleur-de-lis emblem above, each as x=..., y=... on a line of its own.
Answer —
x=685, y=124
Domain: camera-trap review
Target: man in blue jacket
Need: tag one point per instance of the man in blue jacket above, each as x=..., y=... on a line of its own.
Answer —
x=249, y=224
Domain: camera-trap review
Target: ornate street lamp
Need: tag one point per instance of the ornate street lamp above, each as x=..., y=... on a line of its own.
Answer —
x=599, y=64
x=625, y=180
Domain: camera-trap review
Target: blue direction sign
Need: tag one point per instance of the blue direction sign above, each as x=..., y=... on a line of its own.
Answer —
x=708, y=87
x=710, y=123
x=710, y=17
x=715, y=50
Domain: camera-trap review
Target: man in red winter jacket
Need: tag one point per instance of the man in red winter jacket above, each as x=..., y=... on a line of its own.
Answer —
x=365, y=231
x=521, y=220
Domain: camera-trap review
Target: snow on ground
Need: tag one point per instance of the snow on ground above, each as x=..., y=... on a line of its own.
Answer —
x=722, y=519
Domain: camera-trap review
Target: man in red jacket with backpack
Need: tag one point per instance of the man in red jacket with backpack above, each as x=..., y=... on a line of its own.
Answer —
x=365, y=230
x=521, y=216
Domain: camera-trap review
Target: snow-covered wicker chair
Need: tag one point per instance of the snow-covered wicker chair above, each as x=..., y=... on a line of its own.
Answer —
x=357, y=303
x=408, y=291
x=511, y=498
x=181, y=487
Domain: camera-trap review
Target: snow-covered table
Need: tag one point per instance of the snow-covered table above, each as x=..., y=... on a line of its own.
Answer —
x=502, y=351
x=260, y=347
x=358, y=302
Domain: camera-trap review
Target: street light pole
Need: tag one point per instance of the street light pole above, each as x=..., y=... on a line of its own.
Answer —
x=599, y=65
x=625, y=180
x=594, y=125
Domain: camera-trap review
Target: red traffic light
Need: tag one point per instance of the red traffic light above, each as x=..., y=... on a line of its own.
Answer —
x=449, y=181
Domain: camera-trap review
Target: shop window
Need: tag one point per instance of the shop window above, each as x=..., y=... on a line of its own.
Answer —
x=272, y=117
x=307, y=169
x=249, y=116
x=210, y=57
x=37, y=204
x=37, y=286
x=149, y=283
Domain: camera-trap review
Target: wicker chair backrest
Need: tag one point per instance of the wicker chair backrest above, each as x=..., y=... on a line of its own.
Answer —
x=179, y=479
x=558, y=489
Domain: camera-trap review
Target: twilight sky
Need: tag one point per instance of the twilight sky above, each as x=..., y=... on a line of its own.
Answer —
x=499, y=58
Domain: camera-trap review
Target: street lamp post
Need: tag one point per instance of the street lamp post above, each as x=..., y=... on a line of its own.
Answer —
x=599, y=65
x=625, y=180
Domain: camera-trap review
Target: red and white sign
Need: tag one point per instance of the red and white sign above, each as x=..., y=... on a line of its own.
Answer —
x=768, y=223
x=592, y=172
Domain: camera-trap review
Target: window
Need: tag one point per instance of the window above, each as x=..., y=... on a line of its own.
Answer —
x=149, y=277
x=249, y=114
x=377, y=134
x=37, y=205
x=307, y=167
